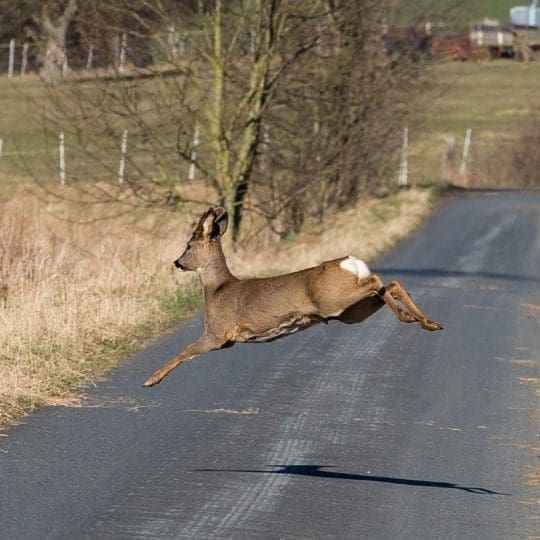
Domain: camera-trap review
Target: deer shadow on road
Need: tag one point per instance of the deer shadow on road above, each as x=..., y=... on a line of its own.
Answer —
x=317, y=471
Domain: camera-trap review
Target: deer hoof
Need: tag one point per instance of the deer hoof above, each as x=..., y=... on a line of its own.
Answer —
x=152, y=381
x=432, y=326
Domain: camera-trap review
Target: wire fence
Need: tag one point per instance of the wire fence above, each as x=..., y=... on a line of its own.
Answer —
x=19, y=57
x=469, y=159
x=466, y=160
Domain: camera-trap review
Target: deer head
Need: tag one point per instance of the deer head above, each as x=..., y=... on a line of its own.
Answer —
x=205, y=243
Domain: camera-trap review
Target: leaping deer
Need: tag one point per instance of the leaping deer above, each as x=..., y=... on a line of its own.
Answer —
x=264, y=309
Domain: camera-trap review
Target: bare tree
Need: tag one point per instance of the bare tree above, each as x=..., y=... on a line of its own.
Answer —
x=345, y=110
x=222, y=90
x=44, y=23
x=296, y=105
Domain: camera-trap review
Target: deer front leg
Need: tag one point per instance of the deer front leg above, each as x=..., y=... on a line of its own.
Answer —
x=398, y=292
x=204, y=344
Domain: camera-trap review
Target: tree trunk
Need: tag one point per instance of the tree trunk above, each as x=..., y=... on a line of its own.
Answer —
x=239, y=196
x=54, y=60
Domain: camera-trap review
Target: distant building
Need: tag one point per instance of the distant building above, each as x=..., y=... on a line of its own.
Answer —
x=526, y=16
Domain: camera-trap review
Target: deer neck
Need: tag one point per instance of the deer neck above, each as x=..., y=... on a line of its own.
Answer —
x=216, y=274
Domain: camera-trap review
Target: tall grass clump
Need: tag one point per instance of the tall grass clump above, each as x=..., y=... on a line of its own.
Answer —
x=73, y=297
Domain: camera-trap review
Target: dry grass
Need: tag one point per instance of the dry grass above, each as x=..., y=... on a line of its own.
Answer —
x=366, y=231
x=75, y=298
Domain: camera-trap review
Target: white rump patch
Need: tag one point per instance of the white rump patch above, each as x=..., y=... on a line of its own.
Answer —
x=356, y=266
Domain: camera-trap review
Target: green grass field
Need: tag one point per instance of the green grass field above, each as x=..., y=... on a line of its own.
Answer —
x=21, y=129
x=495, y=99
x=31, y=138
x=460, y=13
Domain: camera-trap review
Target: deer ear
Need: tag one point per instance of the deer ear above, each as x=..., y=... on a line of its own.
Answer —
x=208, y=225
x=221, y=220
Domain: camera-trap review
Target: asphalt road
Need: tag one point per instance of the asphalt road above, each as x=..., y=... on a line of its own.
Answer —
x=378, y=430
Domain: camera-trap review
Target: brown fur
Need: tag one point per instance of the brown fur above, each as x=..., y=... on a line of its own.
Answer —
x=264, y=309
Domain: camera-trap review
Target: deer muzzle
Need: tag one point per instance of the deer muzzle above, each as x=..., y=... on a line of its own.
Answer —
x=178, y=265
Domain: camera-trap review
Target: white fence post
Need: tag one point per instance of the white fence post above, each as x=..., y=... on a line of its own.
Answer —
x=11, y=64
x=123, y=150
x=252, y=36
x=175, y=43
x=196, y=140
x=62, y=159
x=465, y=155
x=404, y=163
x=265, y=147
x=448, y=158
x=123, y=51
x=1, y=147
x=172, y=42
x=181, y=45
x=90, y=58
x=24, y=61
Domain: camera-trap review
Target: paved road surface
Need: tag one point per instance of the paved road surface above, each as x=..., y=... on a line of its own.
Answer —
x=379, y=430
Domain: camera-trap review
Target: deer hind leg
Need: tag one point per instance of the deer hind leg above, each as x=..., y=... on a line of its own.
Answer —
x=373, y=286
x=398, y=292
x=377, y=287
x=359, y=301
x=204, y=344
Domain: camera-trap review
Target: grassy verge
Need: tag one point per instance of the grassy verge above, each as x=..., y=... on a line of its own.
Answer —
x=76, y=298
x=24, y=142
x=497, y=100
